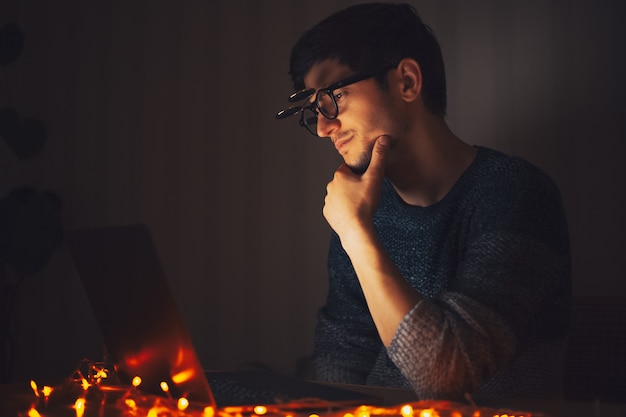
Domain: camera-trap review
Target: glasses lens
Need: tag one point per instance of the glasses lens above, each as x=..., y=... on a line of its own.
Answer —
x=309, y=120
x=326, y=104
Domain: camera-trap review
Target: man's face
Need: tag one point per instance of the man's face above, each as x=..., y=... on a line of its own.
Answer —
x=365, y=113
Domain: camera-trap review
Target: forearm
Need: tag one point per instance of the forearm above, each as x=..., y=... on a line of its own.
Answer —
x=389, y=296
x=447, y=347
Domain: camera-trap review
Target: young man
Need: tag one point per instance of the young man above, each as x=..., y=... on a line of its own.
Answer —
x=449, y=266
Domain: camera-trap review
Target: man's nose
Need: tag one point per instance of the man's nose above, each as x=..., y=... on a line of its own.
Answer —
x=325, y=127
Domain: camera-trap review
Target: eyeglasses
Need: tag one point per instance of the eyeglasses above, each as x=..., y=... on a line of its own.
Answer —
x=325, y=103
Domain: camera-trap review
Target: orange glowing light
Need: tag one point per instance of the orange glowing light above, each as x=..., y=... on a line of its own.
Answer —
x=208, y=412
x=183, y=376
x=164, y=386
x=136, y=381
x=183, y=403
x=46, y=391
x=85, y=384
x=348, y=415
x=130, y=403
x=33, y=385
x=363, y=411
x=314, y=415
x=101, y=374
x=79, y=406
x=429, y=413
x=406, y=410
x=260, y=410
x=32, y=412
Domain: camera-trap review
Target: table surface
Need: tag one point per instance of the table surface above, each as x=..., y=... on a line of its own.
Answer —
x=15, y=400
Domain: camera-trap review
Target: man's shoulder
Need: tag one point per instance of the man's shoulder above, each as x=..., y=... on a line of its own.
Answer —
x=501, y=171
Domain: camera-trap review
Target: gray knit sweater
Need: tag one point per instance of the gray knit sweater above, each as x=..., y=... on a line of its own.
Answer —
x=492, y=261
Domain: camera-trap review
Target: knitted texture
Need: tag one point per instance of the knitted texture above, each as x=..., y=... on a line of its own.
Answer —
x=492, y=262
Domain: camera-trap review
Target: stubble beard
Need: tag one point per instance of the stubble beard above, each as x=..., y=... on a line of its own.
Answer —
x=363, y=162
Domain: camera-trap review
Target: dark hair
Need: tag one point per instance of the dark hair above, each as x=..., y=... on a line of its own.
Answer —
x=370, y=38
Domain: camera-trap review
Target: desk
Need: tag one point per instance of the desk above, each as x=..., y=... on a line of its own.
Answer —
x=551, y=408
x=16, y=399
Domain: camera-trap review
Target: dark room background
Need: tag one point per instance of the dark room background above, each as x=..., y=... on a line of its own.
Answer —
x=161, y=112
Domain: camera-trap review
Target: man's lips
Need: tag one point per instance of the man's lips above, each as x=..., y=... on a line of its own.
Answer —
x=341, y=142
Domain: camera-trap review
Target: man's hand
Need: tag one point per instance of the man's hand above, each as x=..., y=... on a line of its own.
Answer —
x=352, y=199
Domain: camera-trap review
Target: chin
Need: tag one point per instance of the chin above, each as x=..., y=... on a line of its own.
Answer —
x=360, y=166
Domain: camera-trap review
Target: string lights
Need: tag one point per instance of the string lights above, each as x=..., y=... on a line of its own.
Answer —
x=93, y=396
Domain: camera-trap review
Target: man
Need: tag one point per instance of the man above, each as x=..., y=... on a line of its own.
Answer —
x=449, y=266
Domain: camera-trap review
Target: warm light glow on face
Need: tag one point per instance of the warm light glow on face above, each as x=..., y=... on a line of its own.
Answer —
x=136, y=381
x=79, y=406
x=183, y=376
x=182, y=404
x=260, y=410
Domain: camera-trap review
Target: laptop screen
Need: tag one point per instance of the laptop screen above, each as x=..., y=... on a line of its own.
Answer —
x=146, y=336
x=135, y=310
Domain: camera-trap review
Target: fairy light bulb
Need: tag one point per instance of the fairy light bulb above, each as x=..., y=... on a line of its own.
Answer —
x=136, y=381
x=84, y=384
x=260, y=410
x=32, y=412
x=182, y=404
x=33, y=386
x=79, y=406
x=363, y=411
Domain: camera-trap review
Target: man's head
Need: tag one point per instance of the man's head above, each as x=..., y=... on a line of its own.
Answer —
x=370, y=38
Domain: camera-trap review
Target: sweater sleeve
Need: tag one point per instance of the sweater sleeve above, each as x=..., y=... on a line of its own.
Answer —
x=346, y=341
x=510, y=294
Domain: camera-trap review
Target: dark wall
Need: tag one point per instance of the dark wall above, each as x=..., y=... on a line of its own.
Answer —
x=162, y=113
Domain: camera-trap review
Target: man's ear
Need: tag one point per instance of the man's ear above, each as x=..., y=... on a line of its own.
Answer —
x=409, y=79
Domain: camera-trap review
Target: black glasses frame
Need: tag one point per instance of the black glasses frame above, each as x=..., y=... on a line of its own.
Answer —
x=313, y=109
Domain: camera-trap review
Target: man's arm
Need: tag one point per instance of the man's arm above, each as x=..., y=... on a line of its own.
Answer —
x=516, y=261
x=349, y=208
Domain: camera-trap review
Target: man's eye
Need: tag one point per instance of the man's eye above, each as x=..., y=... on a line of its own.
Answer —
x=338, y=95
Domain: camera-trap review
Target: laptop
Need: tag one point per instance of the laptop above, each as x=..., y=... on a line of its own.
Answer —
x=146, y=336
